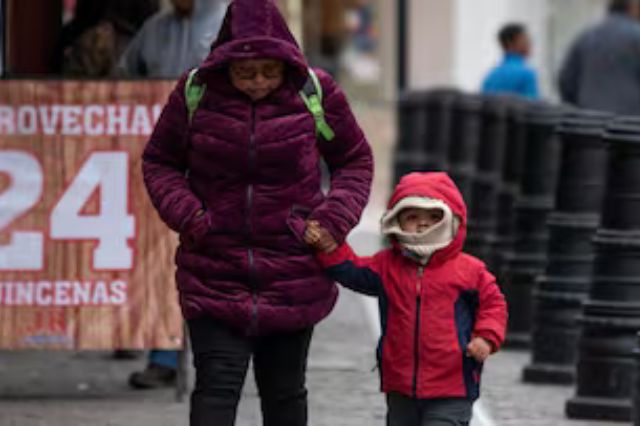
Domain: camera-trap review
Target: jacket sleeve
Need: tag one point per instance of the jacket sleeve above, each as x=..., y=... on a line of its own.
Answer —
x=491, y=317
x=569, y=78
x=164, y=164
x=359, y=274
x=350, y=162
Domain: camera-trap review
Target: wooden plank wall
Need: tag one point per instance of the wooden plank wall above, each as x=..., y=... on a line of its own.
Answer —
x=150, y=318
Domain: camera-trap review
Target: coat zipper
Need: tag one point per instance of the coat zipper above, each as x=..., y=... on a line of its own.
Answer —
x=248, y=224
x=416, y=333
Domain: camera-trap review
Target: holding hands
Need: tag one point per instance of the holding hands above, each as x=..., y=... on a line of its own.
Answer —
x=319, y=238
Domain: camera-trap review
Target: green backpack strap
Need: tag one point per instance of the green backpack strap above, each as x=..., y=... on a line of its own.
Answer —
x=193, y=93
x=311, y=94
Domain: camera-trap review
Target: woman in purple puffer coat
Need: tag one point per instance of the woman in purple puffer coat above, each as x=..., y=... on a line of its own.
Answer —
x=237, y=182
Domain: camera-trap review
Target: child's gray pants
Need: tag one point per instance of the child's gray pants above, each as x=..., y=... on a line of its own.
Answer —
x=405, y=411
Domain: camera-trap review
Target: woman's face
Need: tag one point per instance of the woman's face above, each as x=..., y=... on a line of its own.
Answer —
x=257, y=78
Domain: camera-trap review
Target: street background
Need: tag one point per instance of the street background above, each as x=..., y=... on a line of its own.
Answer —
x=448, y=43
x=90, y=388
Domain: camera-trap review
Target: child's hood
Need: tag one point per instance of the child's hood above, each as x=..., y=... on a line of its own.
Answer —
x=255, y=29
x=437, y=186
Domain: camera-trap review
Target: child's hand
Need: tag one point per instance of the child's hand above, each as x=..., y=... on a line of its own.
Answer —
x=479, y=348
x=319, y=238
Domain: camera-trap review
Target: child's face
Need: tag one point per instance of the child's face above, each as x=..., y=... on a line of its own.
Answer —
x=415, y=221
x=256, y=77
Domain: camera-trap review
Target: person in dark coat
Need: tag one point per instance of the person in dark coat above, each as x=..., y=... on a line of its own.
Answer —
x=91, y=44
x=602, y=68
x=238, y=181
x=173, y=40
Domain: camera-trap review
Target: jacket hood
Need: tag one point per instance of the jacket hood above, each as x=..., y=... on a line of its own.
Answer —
x=255, y=29
x=437, y=186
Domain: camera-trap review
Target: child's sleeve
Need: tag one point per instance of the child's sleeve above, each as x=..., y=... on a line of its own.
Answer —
x=360, y=274
x=491, y=319
x=164, y=164
x=350, y=162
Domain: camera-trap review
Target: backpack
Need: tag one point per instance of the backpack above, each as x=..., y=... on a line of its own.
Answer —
x=311, y=94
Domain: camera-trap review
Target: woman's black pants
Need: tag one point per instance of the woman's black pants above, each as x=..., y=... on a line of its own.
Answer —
x=221, y=358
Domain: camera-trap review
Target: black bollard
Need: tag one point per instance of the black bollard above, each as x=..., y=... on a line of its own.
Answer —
x=611, y=315
x=635, y=392
x=563, y=287
x=409, y=152
x=465, y=136
x=424, y=124
x=500, y=239
x=439, y=104
x=537, y=187
x=483, y=213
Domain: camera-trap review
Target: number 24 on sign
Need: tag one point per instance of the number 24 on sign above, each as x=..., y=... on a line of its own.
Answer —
x=112, y=227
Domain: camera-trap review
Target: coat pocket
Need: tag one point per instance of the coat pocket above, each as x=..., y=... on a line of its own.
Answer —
x=296, y=222
x=196, y=231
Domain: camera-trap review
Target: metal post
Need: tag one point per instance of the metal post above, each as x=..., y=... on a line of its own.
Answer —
x=509, y=187
x=635, y=392
x=424, y=129
x=564, y=286
x=3, y=39
x=403, y=31
x=465, y=134
x=537, y=188
x=484, y=191
x=611, y=315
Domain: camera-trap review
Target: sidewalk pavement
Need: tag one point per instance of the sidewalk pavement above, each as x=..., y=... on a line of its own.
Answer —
x=89, y=388
x=510, y=402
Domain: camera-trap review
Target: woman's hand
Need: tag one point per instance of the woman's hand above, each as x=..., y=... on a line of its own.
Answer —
x=319, y=238
x=197, y=226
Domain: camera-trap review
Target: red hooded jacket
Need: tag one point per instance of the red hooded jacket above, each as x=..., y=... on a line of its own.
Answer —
x=428, y=313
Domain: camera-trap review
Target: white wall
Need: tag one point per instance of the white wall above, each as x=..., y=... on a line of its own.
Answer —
x=387, y=24
x=454, y=41
x=431, y=49
x=477, y=25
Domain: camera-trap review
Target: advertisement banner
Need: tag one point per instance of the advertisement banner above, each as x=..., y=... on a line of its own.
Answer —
x=85, y=262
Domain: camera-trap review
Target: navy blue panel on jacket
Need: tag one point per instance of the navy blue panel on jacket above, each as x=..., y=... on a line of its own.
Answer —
x=465, y=313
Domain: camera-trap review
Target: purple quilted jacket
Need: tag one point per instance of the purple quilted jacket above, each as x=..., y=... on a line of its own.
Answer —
x=254, y=168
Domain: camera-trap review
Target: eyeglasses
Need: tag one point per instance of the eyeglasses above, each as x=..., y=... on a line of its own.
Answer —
x=269, y=71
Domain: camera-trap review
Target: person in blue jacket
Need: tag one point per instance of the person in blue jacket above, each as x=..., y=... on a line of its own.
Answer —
x=513, y=75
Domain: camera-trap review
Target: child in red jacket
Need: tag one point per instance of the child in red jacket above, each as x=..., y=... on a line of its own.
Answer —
x=441, y=312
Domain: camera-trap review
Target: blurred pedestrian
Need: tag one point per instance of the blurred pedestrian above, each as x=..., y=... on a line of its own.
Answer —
x=175, y=40
x=233, y=167
x=602, y=68
x=170, y=43
x=513, y=75
x=442, y=313
x=91, y=44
